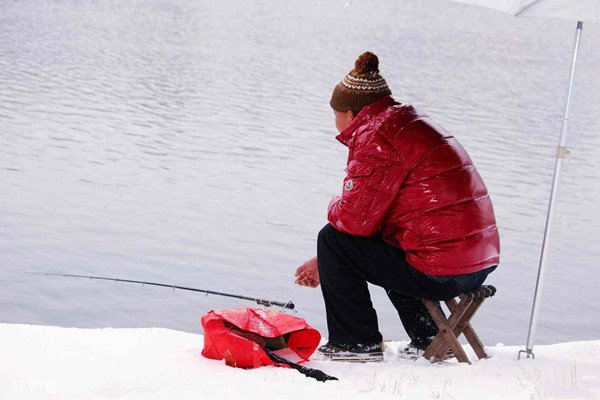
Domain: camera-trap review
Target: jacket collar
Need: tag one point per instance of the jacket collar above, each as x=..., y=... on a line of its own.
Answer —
x=365, y=114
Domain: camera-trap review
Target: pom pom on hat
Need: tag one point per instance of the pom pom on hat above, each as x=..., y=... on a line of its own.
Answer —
x=361, y=86
x=366, y=63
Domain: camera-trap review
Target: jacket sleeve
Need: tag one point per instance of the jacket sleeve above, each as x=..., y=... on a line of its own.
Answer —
x=369, y=190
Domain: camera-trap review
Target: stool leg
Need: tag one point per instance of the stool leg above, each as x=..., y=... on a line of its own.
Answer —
x=467, y=329
x=455, y=325
x=440, y=320
x=458, y=328
x=446, y=336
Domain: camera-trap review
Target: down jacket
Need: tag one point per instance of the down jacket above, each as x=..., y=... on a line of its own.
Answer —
x=409, y=178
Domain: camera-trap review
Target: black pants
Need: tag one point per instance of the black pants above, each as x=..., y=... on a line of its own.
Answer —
x=347, y=263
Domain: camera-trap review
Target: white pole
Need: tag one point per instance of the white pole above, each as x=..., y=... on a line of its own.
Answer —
x=561, y=154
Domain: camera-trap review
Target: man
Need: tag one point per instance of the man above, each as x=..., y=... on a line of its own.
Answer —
x=414, y=217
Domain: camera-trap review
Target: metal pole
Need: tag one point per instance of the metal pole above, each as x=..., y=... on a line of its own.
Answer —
x=561, y=154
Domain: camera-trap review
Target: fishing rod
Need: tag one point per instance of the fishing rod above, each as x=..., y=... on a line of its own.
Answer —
x=262, y=302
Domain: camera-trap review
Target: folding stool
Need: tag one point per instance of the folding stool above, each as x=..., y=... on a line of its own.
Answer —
x=450, y=328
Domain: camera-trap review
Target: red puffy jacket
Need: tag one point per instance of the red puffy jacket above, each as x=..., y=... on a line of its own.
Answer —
x=409, y=178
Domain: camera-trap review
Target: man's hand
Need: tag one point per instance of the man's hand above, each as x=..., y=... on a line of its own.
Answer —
x=308, y=273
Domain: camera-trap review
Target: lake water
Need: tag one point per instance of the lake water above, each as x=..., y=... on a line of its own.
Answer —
x=191, y=142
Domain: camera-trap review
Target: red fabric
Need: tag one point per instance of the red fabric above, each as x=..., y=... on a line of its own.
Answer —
x=408, y=177
x=221, y=343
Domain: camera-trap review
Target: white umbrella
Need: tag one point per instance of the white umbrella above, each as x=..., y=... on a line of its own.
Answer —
x=576, y=10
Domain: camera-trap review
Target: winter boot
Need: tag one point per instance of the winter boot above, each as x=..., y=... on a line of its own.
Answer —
x=353, y=353
x=414, y=352
x=411, y=352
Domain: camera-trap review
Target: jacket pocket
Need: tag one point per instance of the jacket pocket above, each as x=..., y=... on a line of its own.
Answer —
x=358, y=173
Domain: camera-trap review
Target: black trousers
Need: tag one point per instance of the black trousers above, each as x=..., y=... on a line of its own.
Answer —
x=347, y=263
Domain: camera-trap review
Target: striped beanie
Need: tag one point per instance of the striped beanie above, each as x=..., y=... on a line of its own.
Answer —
x=362, y=86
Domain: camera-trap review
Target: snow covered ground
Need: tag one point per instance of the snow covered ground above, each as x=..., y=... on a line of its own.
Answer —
x=39, y=362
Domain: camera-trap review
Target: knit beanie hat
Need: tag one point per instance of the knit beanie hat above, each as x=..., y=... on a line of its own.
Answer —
x=362, y=86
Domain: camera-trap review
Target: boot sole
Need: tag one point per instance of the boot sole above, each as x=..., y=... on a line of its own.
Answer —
x=415, y=357
x=353, y=357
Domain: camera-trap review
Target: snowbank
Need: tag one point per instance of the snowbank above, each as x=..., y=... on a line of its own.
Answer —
x=38, y=362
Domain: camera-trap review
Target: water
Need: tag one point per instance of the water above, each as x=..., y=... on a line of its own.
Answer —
x=192, y=143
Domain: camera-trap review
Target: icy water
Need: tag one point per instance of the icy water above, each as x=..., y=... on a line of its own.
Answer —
x=191, y=142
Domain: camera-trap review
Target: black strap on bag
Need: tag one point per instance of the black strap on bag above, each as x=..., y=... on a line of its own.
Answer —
x=310, y=372
x=270, y=344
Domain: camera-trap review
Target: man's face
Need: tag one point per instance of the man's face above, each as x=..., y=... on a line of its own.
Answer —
x=343, y=119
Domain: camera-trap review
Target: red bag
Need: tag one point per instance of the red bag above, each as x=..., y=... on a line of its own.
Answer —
x=239, y=336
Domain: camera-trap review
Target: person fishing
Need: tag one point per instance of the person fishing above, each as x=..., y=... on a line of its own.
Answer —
x=414, y=218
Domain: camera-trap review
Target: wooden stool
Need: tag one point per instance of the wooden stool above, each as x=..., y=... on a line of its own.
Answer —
x=458, y=322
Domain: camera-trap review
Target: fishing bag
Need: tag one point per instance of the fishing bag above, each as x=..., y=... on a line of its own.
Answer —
x=250, y=337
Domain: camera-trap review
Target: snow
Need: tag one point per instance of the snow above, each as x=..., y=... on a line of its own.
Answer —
x=156, y=363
